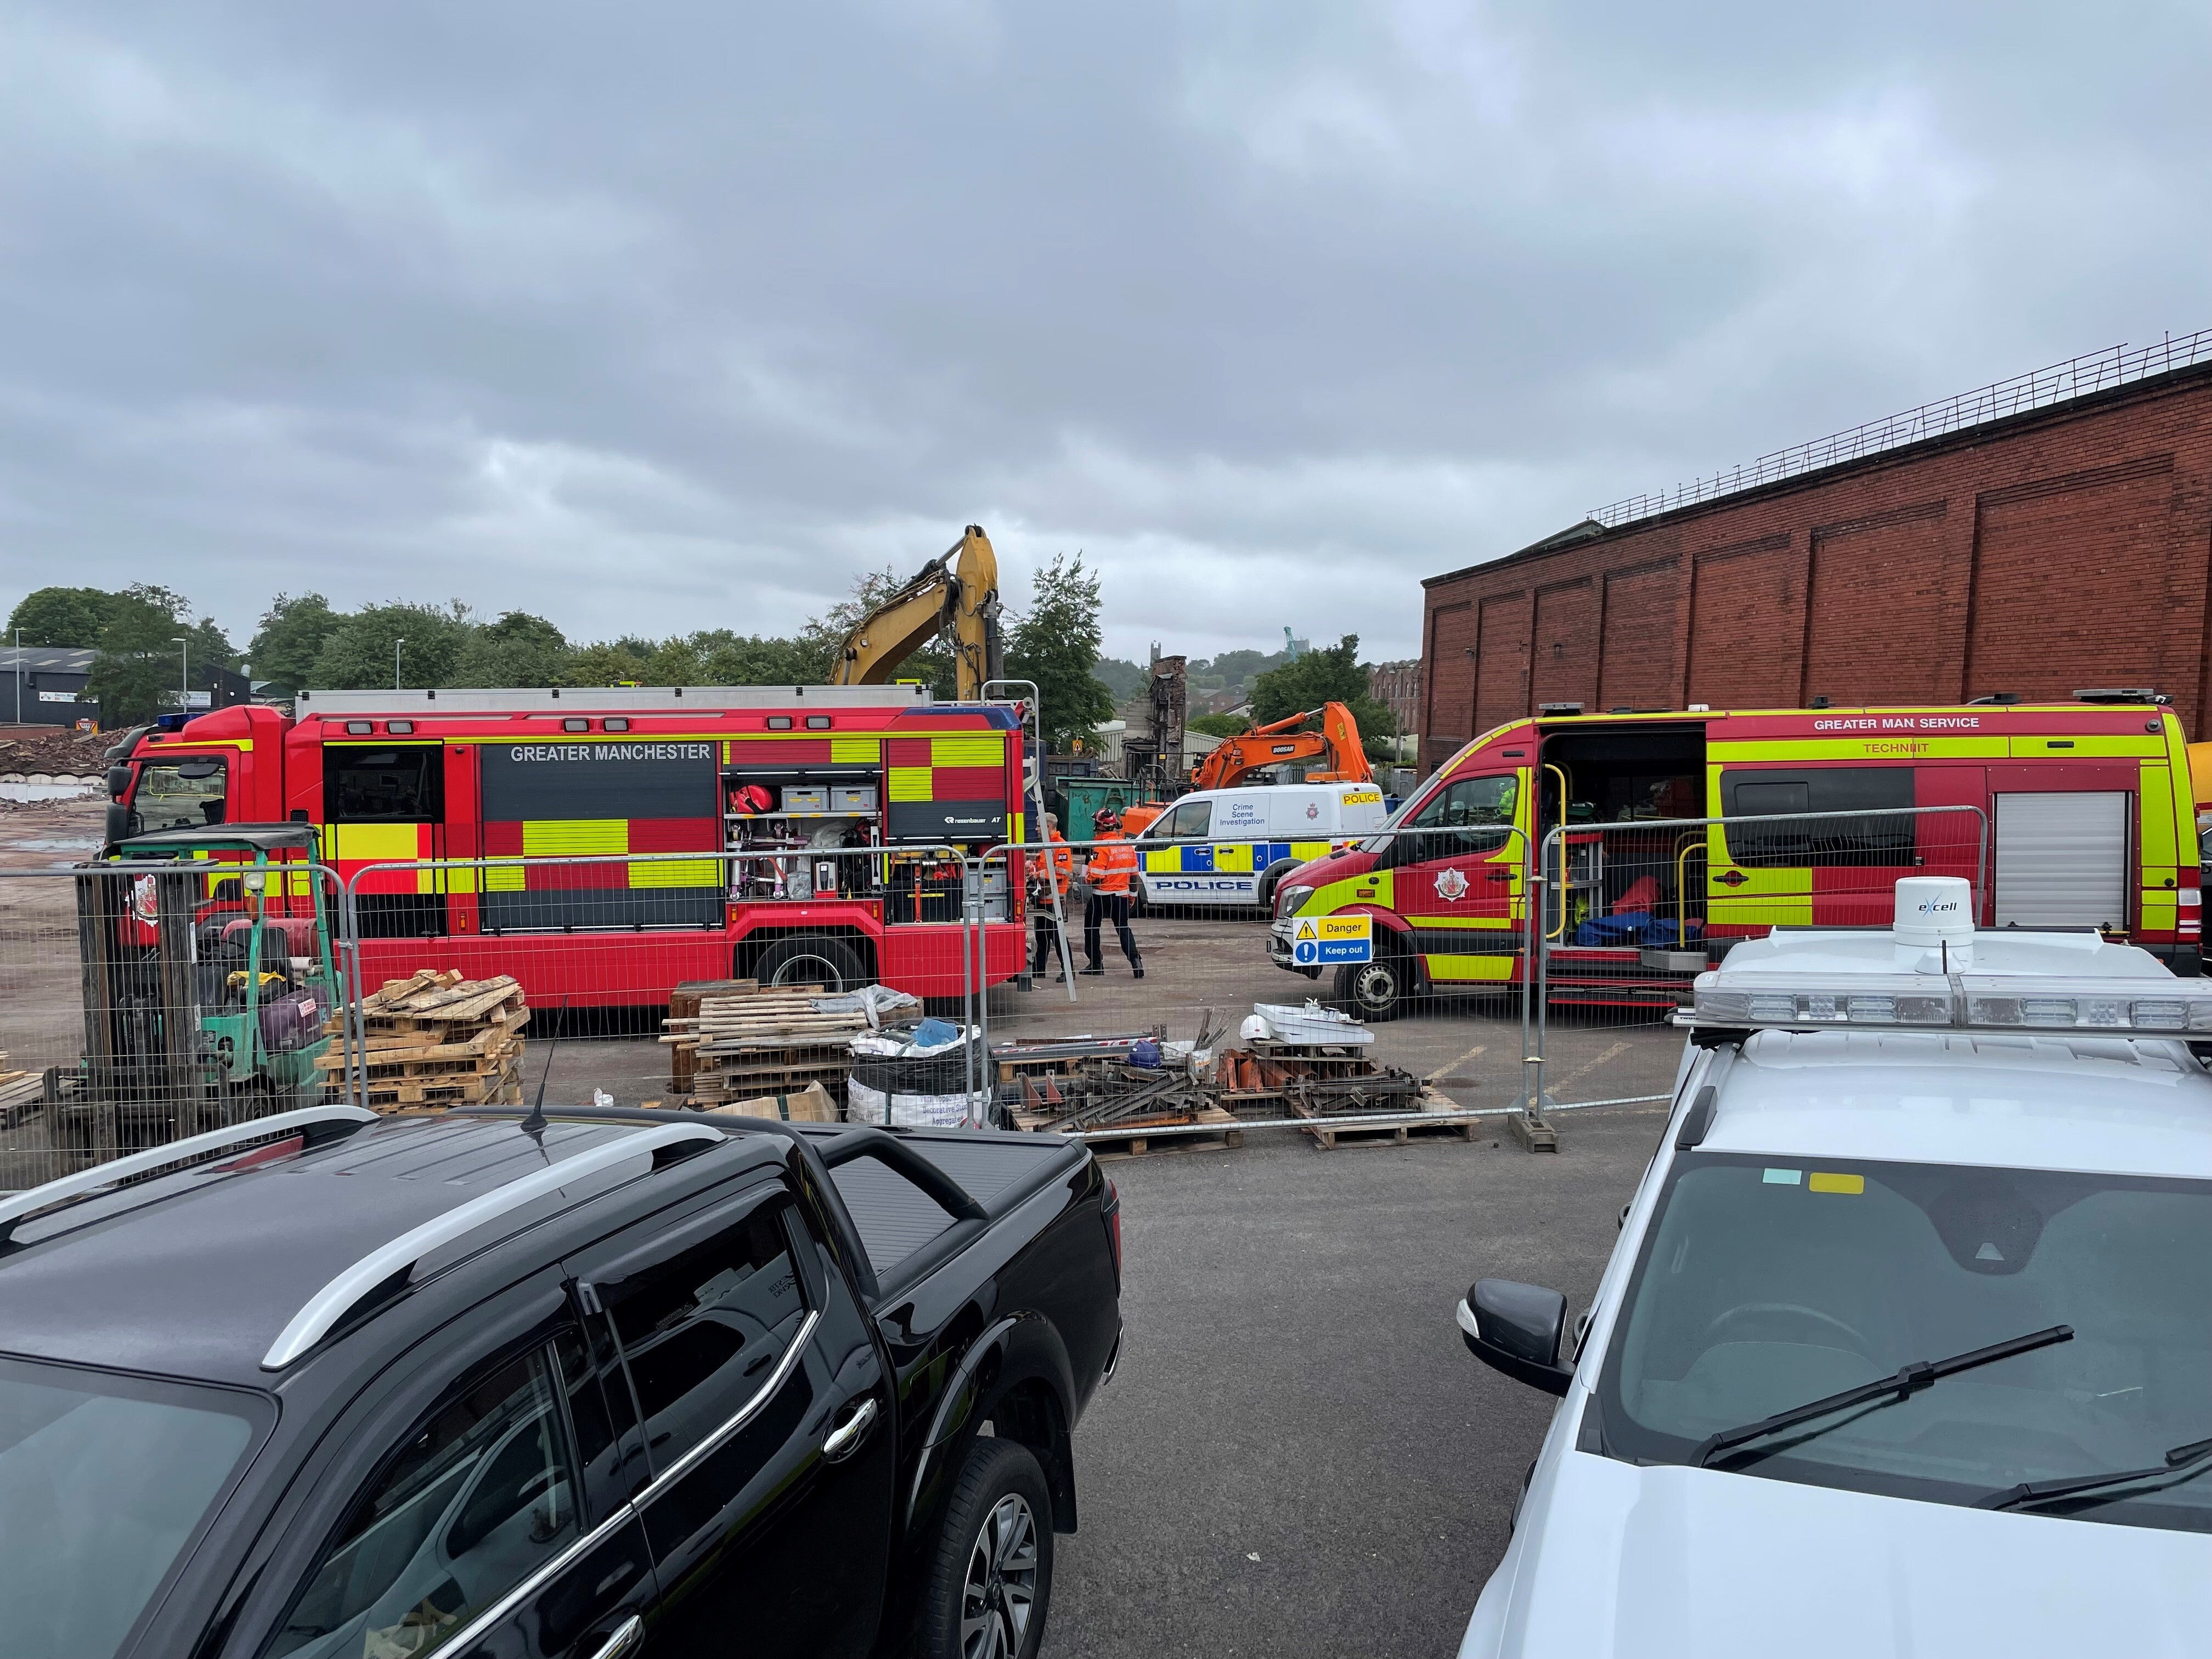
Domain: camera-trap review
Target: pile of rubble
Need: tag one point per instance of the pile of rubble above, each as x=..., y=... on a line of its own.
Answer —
x=54, y=755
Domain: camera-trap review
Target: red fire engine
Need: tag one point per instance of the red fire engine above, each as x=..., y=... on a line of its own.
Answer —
x=773, y=787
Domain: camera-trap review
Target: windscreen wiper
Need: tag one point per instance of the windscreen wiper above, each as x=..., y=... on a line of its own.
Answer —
x=2181, y=1461
x=1908, y=1381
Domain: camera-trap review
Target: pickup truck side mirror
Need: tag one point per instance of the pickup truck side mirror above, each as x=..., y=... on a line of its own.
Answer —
x=1515, y=1329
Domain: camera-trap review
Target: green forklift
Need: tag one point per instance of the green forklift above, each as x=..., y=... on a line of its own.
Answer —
x=209, y=979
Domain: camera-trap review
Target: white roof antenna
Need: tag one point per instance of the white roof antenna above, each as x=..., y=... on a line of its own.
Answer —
x=1934, y=924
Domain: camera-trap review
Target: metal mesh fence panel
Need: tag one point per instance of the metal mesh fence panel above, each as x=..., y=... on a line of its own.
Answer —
x=736, y=982
x=1630, y=912
x=146, y=1002
x=1222, y=984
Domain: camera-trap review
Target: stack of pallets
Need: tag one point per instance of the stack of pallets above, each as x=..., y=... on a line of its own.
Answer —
x=767, y=1040
x=20, y=1093
x=435, y=1039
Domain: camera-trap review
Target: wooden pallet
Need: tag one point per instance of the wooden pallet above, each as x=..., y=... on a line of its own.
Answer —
x=430, y=999
x=1439, y=1122
x=21, y=1095
x=1223, y=1133
x=683, y=1008
x=498, y=1088
x=745, y=1041
x=434, y=1039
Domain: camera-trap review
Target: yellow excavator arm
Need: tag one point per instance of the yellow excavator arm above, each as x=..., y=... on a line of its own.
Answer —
x=957, y=593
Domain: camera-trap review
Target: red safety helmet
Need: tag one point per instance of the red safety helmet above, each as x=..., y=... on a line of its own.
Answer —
x=751, y=797
x=1105, y=818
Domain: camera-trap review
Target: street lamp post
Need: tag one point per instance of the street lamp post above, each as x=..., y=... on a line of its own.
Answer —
x=19, y=676
x=184, y=672
x=396, y=644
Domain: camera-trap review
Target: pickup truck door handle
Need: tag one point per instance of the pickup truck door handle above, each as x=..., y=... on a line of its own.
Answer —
x=627, y=1636
x=845, y=1439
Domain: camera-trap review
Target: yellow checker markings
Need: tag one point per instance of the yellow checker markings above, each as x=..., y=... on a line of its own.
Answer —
x=978, y=751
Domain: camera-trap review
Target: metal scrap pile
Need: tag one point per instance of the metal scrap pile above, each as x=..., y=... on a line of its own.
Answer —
x=1128, y=1081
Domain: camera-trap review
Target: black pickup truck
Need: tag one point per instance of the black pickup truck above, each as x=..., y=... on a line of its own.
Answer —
x=572, y=1386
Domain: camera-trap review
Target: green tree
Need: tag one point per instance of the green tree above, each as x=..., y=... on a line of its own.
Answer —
x=1328, y=674
x=607, y=664
x=283, y=649
x=357, y=653
x=730, y=658
x=518, y=649
x=61, y=615
x=1122, y=680
x=211, y=647
x=1243, y=667
x=1054, y=642
x=139, y=672
x=1219, y=726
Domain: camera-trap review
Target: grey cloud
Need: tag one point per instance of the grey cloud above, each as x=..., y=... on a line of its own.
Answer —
x=662, y=316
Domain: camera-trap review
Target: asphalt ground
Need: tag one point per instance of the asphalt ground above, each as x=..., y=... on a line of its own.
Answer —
x=1298, y=1454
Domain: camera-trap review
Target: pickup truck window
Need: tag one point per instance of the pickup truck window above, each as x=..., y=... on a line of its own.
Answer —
x=481, y=1495
x=102, y=1482
x=702, y=1331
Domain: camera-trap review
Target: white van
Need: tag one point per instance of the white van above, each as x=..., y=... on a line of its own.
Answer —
x=1232, y=846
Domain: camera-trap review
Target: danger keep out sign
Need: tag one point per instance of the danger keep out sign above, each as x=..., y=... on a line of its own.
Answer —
x=1319, y=941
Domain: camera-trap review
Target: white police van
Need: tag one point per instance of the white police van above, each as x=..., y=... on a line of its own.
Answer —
x=1233, y=846
x=1907, y=1344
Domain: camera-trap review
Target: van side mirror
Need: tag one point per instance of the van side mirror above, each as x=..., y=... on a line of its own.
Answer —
x=1515, y=1329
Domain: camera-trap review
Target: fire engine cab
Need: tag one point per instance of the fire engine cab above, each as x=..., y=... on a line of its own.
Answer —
x=825, y=822
x=2065, y=814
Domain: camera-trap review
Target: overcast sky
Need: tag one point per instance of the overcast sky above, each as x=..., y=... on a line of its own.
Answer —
x=649, y=317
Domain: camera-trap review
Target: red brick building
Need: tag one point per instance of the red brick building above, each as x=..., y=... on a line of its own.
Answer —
x=1398, y=686
x=2059, y=548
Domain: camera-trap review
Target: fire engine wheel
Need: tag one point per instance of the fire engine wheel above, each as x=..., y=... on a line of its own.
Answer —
x=827, y=963
x=1375, y=991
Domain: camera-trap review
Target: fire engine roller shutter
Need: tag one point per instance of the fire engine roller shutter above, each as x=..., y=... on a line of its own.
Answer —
x=2062, y=860
x=549, y=800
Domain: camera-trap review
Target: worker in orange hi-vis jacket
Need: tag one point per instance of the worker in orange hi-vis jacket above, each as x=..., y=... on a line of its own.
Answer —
x=1050, y=874
x=1111, y=872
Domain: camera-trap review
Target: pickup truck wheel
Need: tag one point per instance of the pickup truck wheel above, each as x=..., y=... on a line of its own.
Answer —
x=1378, y=990
x=827, y=963
x=990, y=1582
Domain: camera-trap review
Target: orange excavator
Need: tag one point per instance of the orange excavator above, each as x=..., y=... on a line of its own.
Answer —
x=1239, y=757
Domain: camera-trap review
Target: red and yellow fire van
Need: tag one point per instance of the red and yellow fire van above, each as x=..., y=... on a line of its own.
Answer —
x=2083, y=815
